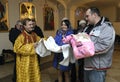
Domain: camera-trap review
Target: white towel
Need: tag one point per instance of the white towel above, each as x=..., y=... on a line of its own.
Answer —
x=41, y=49
x=67, y=54
x=51, y=45
x=45, y=46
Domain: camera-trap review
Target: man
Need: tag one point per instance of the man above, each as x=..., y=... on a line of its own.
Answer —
x=37, y=29
x=27, y=65
x=103, y=35
x=13, y=34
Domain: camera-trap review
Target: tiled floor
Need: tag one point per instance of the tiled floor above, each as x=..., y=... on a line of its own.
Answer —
x=49, y=74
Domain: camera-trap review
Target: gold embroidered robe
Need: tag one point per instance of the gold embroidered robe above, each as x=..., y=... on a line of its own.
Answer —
x=27, y=66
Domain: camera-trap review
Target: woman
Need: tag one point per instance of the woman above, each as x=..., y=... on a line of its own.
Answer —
x=58, y=57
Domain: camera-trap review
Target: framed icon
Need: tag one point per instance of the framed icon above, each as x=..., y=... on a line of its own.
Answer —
x=4, y=24
x=48, y=18
x=27, y=10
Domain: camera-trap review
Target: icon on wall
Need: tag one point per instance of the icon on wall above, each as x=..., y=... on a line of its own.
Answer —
x=27, y=10
x=79, y=14
x=80, y=11
x=48, y=19
x=3, y=16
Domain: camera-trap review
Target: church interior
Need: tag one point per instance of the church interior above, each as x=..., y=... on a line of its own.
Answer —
x=48, y=15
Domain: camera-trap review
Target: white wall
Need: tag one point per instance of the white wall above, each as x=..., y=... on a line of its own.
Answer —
x=4, y=42
x=109, y=12
x=13, y=6
x=13, y=14
x=40, y=19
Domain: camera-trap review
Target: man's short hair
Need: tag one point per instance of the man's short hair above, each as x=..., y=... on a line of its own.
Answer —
x=94, y=10
x=25, y=20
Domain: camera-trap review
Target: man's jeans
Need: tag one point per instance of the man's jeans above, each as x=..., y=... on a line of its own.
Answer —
x=94, y=75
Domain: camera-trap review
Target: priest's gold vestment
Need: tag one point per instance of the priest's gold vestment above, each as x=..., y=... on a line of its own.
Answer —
x=27, y=66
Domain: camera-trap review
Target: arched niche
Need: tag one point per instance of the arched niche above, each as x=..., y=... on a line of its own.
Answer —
x=79, y=14
x=27, y=10
x=48, y=18
x=4, y=23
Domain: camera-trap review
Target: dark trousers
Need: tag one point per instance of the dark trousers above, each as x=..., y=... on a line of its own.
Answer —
x=81, y=70
x=14, y=70
x=73, y=73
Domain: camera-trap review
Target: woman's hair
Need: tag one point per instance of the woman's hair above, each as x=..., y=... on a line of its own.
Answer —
x=67, y=22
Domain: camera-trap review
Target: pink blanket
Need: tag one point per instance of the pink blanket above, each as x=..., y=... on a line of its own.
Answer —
x=81, y=44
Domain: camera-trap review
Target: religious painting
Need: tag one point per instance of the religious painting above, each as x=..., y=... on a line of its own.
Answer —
x=4, y=16
x=27, y=10
x=48, y=19
x=79, y=14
